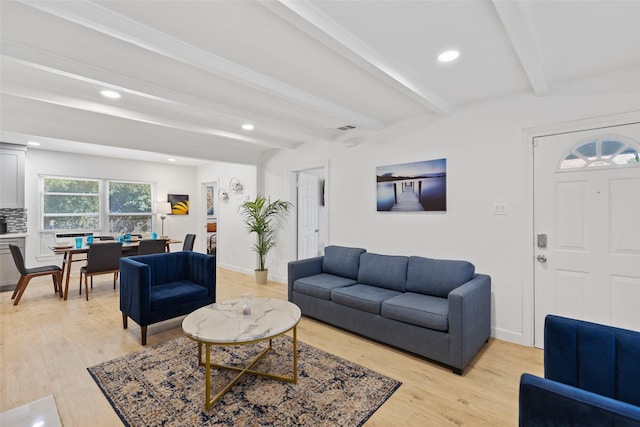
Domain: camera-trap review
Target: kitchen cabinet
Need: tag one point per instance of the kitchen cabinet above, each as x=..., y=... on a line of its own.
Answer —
x=12, y=158
x=9, y=274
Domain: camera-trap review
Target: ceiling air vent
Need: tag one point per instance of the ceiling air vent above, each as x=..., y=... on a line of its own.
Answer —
x=346, y=127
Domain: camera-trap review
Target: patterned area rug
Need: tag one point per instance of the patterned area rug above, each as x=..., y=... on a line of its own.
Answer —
x=164, y=386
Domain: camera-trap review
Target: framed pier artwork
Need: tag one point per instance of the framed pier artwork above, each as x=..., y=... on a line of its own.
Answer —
x=412, y=187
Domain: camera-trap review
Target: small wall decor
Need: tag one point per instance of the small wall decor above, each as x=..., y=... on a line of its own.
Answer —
x=412, y=187
x=179, y=204
x=235, y=186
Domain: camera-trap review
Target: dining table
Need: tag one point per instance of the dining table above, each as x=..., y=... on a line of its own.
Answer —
x=70, y=251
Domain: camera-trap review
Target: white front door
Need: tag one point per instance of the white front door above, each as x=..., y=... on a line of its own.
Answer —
x=587, y=225
x=308, y=218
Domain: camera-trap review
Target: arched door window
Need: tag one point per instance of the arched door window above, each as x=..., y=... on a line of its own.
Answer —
x=601, y=152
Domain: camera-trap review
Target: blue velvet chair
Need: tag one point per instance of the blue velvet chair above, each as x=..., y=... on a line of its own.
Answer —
x=159, y=287
x=591, y=377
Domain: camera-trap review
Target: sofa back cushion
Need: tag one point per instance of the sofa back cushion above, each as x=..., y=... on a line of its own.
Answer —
x=342, y=261
x=437, y=277
x=383, y=271
x=164, y=268
x=176, y=266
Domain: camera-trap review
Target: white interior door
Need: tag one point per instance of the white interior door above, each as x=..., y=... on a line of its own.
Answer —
x=308, y=218
x=587, y=225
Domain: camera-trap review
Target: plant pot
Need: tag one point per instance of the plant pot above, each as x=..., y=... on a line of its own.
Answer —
x=261, y=276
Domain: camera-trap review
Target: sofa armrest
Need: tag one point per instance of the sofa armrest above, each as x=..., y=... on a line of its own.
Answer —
x=469, y=320
x=135, y=289
x=202, y=271
x=547, y=402
x=302, y=268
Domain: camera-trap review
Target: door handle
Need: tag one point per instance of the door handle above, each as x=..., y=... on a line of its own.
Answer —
x=541, y=259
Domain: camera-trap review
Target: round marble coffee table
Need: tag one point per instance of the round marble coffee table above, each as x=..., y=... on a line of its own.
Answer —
x=226, y=323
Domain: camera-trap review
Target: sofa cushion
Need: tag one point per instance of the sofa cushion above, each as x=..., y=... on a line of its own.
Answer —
x=176, y=293
x=384, y=271
x=421, y=310
x=320, y=285
x=342, y=261
x=362, y=297
x=437, y=277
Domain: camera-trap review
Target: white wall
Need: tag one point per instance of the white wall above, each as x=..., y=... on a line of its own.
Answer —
x=168, y=178
x=233, y=243
x=487, y=161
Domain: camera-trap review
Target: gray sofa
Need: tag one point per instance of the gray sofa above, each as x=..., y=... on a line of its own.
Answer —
x=438, y=309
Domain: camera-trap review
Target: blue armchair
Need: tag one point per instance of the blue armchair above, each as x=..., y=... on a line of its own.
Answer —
x=592, y=377
x=158, y=287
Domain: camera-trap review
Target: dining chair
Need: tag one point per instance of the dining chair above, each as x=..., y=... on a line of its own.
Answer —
x=188, y=242
x=26, y=274
x=102, y=258
x=146, y=247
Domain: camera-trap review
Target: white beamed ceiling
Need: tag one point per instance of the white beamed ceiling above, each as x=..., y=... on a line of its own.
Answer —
x=192, y=72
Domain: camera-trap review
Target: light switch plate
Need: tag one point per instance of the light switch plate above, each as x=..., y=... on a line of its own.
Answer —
x=499, y=208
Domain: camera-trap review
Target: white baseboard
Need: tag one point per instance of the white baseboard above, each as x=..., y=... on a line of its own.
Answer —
x=235, y=268
x=507, y=335
x=277, y=279
x=272, y=278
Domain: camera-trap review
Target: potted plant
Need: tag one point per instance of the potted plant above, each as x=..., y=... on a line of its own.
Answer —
x=259, y=216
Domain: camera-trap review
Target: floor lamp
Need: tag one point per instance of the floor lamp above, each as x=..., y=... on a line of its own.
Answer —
x=163, y=208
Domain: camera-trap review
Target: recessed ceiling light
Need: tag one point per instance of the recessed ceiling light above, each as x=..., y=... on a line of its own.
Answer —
x=171, y=160
x=448, y=56
x=33, y=143
x=247, y=126
x=110, y=94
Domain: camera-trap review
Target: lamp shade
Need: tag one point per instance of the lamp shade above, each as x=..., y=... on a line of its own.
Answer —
x=163, y=208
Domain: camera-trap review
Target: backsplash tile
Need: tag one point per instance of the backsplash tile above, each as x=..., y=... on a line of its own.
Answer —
x=16, y=219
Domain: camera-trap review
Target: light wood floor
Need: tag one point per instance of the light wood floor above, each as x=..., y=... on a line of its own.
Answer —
x=47, y=344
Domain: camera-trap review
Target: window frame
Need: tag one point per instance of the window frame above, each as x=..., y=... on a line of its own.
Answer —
x=43, y=194
x=600, y=160
x=107, y=205
x=103, y=203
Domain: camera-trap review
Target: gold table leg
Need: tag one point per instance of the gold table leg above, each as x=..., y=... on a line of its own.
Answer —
x=243, y=370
